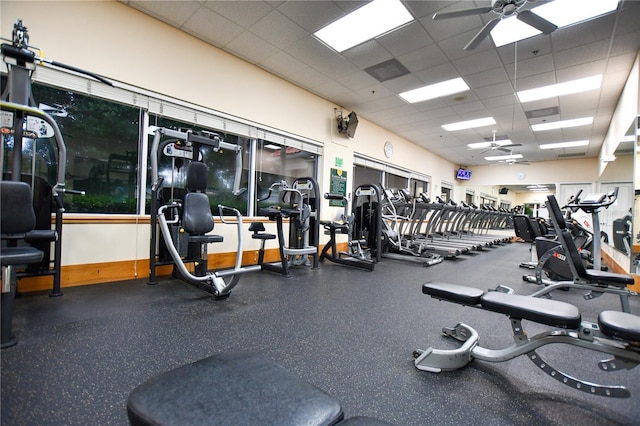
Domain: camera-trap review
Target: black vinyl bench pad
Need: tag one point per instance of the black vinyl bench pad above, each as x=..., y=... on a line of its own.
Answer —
x=544, y=311
x=231, y=389
x=621, y=325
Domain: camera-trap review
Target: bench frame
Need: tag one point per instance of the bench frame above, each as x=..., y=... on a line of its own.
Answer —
x=588, y=335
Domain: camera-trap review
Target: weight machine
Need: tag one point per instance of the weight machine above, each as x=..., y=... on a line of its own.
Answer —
x=184, y=215
x=300, y=203
x=355, y=224
x=22, y=121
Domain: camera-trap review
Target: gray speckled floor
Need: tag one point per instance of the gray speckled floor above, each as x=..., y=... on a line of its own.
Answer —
x=350, y=332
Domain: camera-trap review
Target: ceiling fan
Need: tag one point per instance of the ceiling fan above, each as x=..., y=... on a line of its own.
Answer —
x=502, y=8
x=510, y=162
x=495, y=146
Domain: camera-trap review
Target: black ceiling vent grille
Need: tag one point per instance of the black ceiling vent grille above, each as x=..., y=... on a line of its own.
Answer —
x=542, y=112
x=387, y=70
x=579, y=154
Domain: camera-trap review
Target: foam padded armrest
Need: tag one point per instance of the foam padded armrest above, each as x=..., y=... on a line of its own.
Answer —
x=621, y=325
x=543, y=311
x=231, y=389
x=453, y=292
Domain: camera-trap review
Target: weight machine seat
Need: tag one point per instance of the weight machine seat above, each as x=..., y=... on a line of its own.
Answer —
x=620, y=325
x=543, y=311
x=335, y=227
x=19, y=255
x=259, y=233
x=207, y=239
x=17, y=218
x=231, y=389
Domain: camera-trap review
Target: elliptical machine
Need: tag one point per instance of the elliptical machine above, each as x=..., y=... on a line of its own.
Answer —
x=185, y=222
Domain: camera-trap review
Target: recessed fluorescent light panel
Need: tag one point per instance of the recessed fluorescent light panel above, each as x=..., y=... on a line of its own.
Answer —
x=480, y=145
x=560, y=12
x=503, y=157
x=462, y=125
x=576, y=122
x=559, y=145
x=371, y=20
x=434, y=91
x=561, y=89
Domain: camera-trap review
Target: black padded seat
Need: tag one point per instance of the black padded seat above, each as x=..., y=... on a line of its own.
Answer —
x=543, y=311
x=621, y=325
x=453, y=292
x=231, y=389
x=608, y=278
x=207, y=239
x=259, y=233
x=19, y=255
x=335, y=227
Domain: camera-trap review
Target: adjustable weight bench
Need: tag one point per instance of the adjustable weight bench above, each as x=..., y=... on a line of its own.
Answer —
x=235, y=388
x=616, y=333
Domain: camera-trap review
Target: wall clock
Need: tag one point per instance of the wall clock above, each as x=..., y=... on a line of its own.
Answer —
x=388, y=149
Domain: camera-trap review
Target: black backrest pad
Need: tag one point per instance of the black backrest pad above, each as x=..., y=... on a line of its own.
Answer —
x=523, y=228
x=196, y=176
x=196, y=217
x=556, y=213
x=543, y=311
x=16, y=208
x=573, y=252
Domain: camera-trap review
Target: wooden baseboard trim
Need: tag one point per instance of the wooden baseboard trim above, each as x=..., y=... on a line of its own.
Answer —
x=106, y=272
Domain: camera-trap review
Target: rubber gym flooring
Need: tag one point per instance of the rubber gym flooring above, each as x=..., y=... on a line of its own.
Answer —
x=349, y=332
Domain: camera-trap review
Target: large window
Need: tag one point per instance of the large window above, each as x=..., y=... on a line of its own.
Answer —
x=107, y=154
x=277, y=163
x=101, y=138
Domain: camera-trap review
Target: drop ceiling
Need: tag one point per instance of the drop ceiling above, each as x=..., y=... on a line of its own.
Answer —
x=277, y=36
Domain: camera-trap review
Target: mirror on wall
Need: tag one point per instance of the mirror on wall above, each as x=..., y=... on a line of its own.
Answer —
x=617, y=221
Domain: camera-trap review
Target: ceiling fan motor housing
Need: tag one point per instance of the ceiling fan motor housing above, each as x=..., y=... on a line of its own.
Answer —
x=506, y=7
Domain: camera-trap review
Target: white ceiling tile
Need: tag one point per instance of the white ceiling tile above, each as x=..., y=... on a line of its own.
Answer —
x=406, y=39
x=282, y=64
x=211, y=27
x=423, y=58
x=243, y=13
x=367, y=54
x=278, y=30
x=308, y=78
x=174, y=13
x=311, y=15
x=477, y=62
x=251, y=47
x=357, y=80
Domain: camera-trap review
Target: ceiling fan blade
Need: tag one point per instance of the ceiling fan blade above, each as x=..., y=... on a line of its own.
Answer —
x=537, y=22
x=506, y=148
x=459, y=13
x=484, y=32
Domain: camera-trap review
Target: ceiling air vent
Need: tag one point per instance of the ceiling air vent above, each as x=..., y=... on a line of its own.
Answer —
x=387, y=70
x=542, y=112
x=579, y=154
